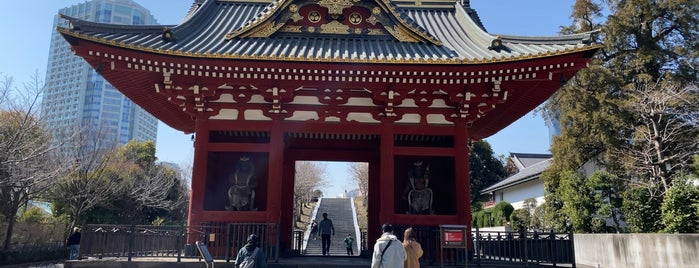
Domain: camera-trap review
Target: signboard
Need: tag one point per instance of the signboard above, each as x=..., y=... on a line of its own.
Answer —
x=454, y=238
x=204, y=251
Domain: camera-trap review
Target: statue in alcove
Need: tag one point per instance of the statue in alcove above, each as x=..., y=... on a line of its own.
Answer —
x=241, y=193
x=419, y=194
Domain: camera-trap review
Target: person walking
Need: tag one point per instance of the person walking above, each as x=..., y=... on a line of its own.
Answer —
x=388, y=251
x=326, y=228
x=314, y=229
x=348, y=244
x=413, y=249
x=73, y=244
x=251, y=255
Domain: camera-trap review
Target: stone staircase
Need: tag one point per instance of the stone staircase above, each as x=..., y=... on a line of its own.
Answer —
x=340, y=212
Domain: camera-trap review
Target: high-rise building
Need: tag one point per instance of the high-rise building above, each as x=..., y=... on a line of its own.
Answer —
x=552, y=122
x=76, y=97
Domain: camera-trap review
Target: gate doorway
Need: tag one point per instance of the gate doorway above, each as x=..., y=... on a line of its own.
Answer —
x=338, y=190
x=364, y=150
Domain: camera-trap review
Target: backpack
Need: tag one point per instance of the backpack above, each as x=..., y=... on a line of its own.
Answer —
x=249, y=260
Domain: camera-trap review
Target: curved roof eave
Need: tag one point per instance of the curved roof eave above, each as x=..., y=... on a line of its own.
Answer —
x=89, y=26
x=464, y=41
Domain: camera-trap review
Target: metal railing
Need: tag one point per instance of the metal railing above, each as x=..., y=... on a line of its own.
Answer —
x=524, y=247
x=225, y=239
x=297, y=240
x=132, y=241
x=222, y=239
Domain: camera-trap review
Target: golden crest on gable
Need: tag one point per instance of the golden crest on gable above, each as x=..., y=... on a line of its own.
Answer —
x=336, y=6
x=334, y=27
x=355, y=18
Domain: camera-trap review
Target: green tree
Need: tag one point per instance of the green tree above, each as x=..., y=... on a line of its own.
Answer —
x=607, y=199
x=642, y=209
x=484, y=170
x=146, y=191
x=579, y=203
x=643, y=42
x=680, y=208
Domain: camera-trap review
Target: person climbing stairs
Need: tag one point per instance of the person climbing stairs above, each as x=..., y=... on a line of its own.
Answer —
x=340, y=211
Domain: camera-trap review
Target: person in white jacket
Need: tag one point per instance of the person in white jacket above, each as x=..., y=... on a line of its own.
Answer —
x=388, y=250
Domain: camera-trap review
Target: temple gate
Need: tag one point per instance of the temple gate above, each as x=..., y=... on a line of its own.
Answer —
x=403, y=85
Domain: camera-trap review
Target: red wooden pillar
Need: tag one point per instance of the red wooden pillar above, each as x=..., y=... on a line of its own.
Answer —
x=374, y=201
x=199, y=170
x=286, y=221
x=463, y=185
x=387, y=177
x=274, y=179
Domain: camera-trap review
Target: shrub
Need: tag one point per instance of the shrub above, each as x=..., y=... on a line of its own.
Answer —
x=34, y=253
x=520, y=220
x=642, y=210
x=680, y=208
x=33, y=215
x=502, y=212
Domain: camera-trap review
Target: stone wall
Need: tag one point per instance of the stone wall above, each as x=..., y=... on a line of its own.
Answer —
x=637, y=250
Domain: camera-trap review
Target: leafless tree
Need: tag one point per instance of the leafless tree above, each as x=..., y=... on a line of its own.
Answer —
x=665, y=136
x=90, y=182
x=309, y=177
x=27, y=166
x=360, y=175
x=152, y=188
x=147, y=184
x=184, y=169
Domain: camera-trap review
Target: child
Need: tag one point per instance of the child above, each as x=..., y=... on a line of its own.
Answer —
x=348, y=244
x=314, y=229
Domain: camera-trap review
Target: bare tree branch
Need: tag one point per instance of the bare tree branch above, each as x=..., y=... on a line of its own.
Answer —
x=27, y=163
x=665, y=136
x=360, y=175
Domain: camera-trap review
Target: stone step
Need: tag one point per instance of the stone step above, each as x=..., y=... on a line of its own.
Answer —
x=340, y=212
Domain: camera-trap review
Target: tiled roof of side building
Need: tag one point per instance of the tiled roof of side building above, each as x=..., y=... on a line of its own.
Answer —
x=527, y=174
x=524, y=160
x=436, y=34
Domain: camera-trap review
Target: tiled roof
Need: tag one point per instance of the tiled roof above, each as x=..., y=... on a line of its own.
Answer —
x=524, y=160
x=456, y=33
x=529, y=173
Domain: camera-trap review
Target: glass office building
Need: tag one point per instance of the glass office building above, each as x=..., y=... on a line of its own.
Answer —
x=76, y=97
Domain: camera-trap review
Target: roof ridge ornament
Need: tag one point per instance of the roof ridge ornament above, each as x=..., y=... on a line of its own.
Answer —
x=276, y=17
x=335, y=7
x=496, y=44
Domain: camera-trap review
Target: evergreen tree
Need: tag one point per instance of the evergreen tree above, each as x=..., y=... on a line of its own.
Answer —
x=643, y=41
x=642, y=209
x=484, y=170
x=680, y=208
x=607, y=190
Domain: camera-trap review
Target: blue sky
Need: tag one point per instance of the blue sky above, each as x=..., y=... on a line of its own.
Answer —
x=26, y=33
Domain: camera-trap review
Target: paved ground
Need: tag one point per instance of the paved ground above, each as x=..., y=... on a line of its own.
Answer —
x=299, y=262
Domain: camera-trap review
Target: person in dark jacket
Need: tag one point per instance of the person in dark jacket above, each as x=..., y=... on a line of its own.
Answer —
x=249, y=249
x=326, y=228
x=74, y=244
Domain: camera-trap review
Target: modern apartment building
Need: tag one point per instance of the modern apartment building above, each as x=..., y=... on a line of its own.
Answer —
x=76, y=97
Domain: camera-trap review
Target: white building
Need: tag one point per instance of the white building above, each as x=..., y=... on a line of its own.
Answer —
x=526, y=183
